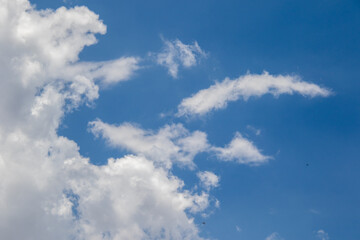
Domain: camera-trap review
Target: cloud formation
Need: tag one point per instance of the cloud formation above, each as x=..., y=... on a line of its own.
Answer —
x=322, y=235
x=175, y=54
x=274, y=236
x=106, y=72
x=220, y=94
x=208, y=179
x=170, y=144
x=175, y=144
x=241, y=151
x=48, y=190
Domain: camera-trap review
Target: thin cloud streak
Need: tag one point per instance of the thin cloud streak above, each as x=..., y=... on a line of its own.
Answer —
x=220, y=94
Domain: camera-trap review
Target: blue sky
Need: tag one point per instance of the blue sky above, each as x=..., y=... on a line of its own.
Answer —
x=304, y=182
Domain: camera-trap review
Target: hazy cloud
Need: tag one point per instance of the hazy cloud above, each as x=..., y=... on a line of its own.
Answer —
x=254, y=130
x=274, y=236
x=322, y=235
x=176, y=54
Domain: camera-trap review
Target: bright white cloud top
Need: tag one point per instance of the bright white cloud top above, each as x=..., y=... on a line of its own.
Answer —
x=176, y=53
x=220, y=94
x=48, y=190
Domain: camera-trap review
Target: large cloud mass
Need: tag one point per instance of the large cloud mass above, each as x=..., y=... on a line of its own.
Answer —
x=47, y=189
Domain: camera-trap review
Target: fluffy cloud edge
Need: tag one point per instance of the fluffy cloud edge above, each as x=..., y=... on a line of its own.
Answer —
x=208, y=179
x=175, y=144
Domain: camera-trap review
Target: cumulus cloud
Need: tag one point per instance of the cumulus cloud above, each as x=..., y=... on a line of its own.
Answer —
x=172, y=143
x=322, y=235
x=175, y=54
x=130, y=198
x=208, y=179
x=40, y=52
x=241, y=151
x=48, y=190
x=218, y=95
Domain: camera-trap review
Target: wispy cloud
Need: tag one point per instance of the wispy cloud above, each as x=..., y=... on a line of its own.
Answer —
x=106, y=72
x=254, y=130
x=175, y=144
x=322, y=235
x=176, y=54
x=314, y=211
x=274, y=236
x=220, y=94
x=171, y=143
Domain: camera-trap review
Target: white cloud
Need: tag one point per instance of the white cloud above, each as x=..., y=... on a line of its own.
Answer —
x=176, y=53
x=208, y=179
x=172, y=143
x=107, y=72
x=175, y=144
x=241, y=151
x=39, y=49
x=130, y=198
x=322, y=235
x=218, y=95
x=274, y=236
x=48, y=190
